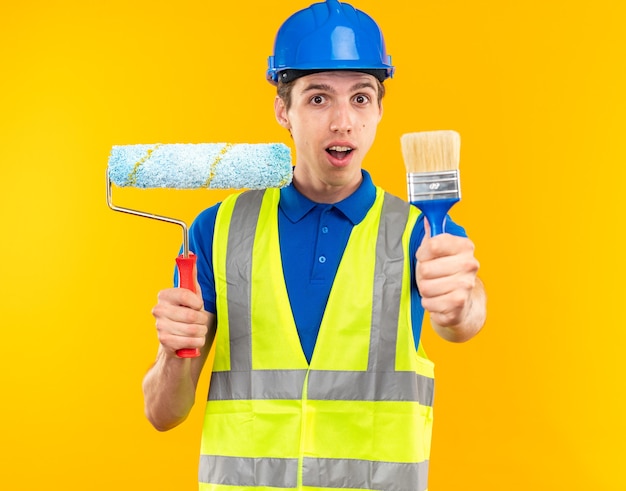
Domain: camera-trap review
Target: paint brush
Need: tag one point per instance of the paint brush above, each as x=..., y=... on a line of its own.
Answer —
x=432, y=164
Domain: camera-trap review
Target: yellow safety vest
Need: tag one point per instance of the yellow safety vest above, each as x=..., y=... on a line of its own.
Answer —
x=360, y=415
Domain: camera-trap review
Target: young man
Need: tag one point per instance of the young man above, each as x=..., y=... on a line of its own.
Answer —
x=314, y=294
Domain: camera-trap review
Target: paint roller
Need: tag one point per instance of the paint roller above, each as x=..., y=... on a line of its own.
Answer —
x=196, y=166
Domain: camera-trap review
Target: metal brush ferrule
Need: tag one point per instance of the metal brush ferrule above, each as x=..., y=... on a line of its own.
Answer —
x=425, y=186
x=144, y=214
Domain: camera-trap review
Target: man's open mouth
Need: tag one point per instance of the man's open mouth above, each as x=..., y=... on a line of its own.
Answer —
x=339, y=152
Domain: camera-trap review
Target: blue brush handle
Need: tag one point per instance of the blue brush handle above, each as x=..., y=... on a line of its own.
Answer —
x=435, y=211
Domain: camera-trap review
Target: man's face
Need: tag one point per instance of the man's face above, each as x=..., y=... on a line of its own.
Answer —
x=333, y=120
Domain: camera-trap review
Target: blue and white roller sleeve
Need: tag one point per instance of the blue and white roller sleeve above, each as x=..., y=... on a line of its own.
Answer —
x=201, y=165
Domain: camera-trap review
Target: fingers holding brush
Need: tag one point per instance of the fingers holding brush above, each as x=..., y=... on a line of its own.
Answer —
x=446, y=276
x=445, y=254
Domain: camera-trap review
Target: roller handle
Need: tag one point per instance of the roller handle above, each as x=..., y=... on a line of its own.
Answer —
x=186, y=280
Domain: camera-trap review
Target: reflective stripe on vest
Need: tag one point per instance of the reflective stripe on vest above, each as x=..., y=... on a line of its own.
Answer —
x=328, y=384
x=319, y=473
x=360, y=416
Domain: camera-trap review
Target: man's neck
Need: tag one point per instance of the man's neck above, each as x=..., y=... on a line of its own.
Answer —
x=323, y=192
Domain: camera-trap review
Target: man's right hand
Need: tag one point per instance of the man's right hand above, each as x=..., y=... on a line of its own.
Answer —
x=181, y=320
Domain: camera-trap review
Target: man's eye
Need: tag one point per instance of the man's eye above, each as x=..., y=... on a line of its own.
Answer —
x=361, y=99
x=318, y=99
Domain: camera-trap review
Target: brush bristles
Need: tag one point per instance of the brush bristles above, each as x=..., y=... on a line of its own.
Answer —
x=431, y=151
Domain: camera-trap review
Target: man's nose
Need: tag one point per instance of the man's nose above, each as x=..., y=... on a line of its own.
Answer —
x=342, y=119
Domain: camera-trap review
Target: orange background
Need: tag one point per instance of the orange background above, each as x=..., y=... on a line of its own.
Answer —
x=536, y=89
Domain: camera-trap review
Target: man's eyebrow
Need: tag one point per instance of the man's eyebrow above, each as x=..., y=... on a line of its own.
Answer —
x=328, y=88
x=363, y=85
x=322, y=87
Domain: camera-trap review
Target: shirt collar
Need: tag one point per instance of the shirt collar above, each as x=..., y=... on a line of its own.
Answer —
x=295, y=205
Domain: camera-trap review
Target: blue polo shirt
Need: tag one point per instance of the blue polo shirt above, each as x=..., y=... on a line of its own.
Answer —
x=312, y=239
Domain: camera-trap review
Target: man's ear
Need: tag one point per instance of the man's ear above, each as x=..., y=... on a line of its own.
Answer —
x=281, y=113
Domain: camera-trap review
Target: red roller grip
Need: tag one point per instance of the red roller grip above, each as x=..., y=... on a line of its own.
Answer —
x=186, y=280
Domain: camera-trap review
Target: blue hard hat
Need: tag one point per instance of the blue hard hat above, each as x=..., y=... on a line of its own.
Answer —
x=328, y=36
